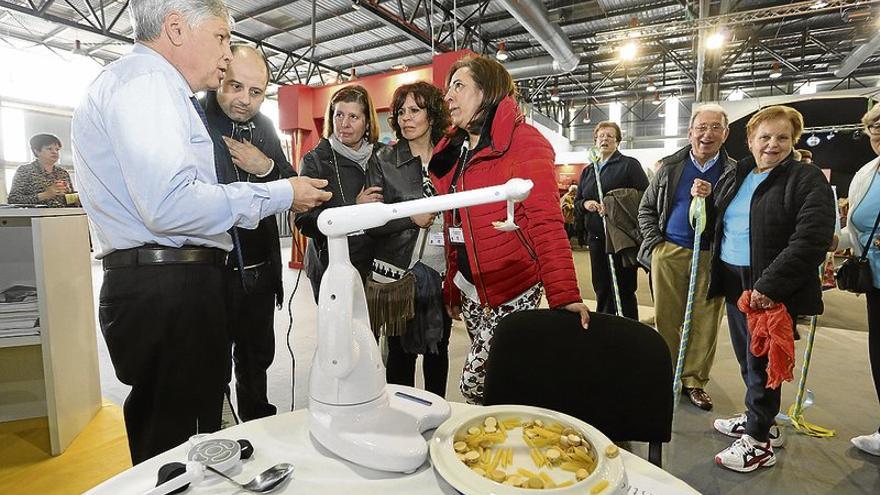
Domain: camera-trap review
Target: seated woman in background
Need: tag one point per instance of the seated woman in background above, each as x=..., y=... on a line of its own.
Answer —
x=41, y=181
x=404, y=292
x=774, y=223
x=492, y=273
x=343, y=157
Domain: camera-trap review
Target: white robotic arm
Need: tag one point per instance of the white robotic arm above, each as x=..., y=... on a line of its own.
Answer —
x=354, y=412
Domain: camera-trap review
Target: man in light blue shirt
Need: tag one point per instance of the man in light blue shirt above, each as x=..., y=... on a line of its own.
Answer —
x=146, y=166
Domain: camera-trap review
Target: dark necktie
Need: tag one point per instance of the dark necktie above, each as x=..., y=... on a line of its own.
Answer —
x=223, y=177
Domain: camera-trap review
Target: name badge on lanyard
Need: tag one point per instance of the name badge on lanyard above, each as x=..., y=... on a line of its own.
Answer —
x=435, y=239
x=456, y=235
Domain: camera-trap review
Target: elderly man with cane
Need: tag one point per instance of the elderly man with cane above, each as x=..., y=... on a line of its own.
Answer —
x=668, y=250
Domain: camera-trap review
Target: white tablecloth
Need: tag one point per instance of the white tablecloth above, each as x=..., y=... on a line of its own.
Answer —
x=285, y=438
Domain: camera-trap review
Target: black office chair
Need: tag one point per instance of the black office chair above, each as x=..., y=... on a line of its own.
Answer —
x=616, y=376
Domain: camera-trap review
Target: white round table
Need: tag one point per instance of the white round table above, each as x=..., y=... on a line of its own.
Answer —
x=285, y=438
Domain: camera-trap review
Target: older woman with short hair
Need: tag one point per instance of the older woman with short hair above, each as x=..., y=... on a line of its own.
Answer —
x=774, y=222
x=864, y=200
x=617, y=171
x=492, y=273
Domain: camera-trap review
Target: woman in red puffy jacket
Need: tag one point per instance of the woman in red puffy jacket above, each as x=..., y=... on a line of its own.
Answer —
x=492, y=273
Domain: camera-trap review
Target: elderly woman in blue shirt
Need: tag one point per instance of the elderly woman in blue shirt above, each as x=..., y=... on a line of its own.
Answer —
x=774, y=221
x=864, y=200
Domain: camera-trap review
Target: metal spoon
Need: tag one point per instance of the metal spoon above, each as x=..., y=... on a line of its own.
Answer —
x=264, y=482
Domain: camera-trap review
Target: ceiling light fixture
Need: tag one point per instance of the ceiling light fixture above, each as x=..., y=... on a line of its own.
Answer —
x=715, y=41
x=651, y=86
x=401, y=67
x=656, y=100
x=356, y=4
x=813, y=140
x=629, y=51
x=775, y=71
x=554, y=95
x=501, y=55
x=819, y=4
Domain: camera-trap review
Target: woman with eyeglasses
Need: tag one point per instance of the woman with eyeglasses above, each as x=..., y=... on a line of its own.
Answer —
x=774, y=222
x=404, y=291
x=617, y=171
x=343, y=157
x=491, y=272
x=864, y=210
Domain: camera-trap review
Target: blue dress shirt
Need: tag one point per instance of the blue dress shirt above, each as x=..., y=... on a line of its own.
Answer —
x=145, y=163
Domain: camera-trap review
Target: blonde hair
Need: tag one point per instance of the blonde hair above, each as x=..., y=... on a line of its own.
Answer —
x=777, y=112
x=871, y=116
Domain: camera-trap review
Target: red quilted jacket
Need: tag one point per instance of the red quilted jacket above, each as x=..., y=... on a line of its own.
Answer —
x=505, y=264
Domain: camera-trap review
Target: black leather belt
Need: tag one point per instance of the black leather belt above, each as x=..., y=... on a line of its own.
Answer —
x=161, y=255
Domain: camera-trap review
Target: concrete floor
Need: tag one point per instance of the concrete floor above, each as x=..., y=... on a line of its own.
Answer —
x=839, y=376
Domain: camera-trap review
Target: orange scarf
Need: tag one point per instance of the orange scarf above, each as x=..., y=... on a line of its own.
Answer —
x=771, y=335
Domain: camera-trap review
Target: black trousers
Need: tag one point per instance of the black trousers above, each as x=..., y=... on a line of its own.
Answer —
x=401, y=366
x=165, y=328
x=762, y=404
x=873, y=301
x=252, y=328
x=603, y=285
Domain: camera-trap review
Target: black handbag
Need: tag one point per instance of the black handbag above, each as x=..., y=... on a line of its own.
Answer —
x=854, y=274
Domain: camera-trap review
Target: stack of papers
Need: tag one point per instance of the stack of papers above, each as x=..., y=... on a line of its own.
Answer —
x=19, y=312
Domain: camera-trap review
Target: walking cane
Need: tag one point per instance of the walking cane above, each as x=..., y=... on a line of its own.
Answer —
x=697, y=217
x=804, y=397
x=595, y=157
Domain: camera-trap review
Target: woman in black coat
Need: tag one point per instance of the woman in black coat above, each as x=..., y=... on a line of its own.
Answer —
x=774, y=220
x=617, y=171
x=342, y=157
x=419, y=119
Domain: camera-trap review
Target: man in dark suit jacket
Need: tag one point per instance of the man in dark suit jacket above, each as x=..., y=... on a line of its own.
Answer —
x=256, y=156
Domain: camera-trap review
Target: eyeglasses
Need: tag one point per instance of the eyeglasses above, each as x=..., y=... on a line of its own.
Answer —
x=873, y=129
x=713, y=128
x=243, y=131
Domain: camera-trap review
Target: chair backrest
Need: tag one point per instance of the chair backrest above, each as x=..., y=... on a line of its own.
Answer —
x=616, y=375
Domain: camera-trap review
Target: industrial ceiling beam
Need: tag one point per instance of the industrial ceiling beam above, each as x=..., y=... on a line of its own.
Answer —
x=797, y=9
x=403, y=25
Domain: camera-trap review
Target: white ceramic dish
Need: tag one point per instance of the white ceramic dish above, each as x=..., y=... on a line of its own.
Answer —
x=466, y=481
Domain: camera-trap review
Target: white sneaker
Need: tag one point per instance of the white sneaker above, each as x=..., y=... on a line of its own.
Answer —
x=868, y=443
x=736, y=427
x=746, y=455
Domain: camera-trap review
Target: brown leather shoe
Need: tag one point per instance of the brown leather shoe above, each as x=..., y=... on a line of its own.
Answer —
x=699, y=398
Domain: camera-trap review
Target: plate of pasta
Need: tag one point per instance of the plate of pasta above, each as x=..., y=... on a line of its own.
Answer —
x=514, y=450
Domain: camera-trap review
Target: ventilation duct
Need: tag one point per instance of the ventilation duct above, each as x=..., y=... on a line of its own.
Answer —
x=531, y=67
x=534, y=17
x=858, y=57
